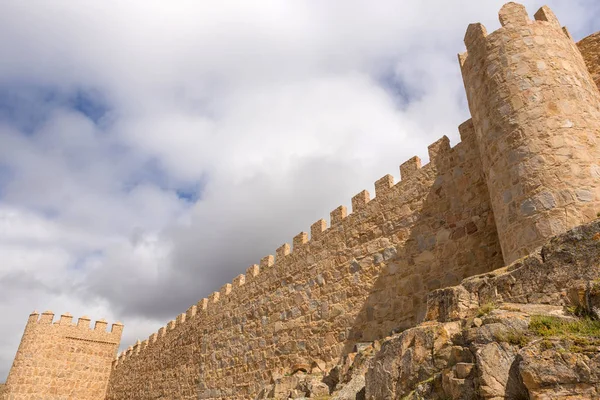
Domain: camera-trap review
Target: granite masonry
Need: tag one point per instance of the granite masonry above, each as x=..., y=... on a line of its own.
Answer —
x=527, y=169
x=63, y=360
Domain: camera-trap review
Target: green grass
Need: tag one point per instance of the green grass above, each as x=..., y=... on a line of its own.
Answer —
x=581, y=335
x=485, y=309
x=595, y=289
x=546, y=344
x=547, y=326
x=515, y=337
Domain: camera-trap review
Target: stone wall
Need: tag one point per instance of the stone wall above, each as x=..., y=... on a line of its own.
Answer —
x=480, y=341
x=536, y=113
x=61, y=360
x=590, y=49
x=364, y=276
x=525, y=170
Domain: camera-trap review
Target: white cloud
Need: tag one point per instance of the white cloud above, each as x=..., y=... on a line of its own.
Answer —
x=275, y=114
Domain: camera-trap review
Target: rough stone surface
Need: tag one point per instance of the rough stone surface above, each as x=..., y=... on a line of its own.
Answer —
x=536, y=113
x=353, y=390
x=62, y=360
x=553, y=371
x=501, y=358
x=590, y=50
x=345, y=381
x=357, y=281
x=309, y=319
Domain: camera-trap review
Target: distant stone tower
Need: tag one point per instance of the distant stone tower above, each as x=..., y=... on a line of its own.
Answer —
x=536, y=112
x=62, y=360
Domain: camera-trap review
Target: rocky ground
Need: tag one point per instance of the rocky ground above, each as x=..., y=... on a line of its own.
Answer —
x=527, y=331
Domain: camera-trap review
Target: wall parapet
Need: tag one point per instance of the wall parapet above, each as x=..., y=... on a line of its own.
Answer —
x=324, y=291
x=82, y=326
x=439, y=153
x=511, y=15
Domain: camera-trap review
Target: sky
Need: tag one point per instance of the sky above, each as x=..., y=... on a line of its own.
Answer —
x=151, y=151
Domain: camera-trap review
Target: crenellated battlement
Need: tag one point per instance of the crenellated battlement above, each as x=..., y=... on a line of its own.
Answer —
x=512, y=16
x=163, y=334
x=319, y=262
x=212, y=307
x=84, y=353
x=82, y=329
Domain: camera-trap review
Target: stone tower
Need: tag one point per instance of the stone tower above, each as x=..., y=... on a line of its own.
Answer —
x=62, y=360
x=536, y=113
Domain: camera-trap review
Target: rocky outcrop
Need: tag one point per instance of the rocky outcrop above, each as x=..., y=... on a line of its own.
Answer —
x=487, y=357
x=527, y=331
x=345, y=381
x=564, y=272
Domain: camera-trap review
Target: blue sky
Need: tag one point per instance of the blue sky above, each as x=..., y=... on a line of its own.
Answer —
x=150, y=153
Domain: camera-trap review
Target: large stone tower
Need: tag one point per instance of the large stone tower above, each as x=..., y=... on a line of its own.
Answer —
x=536, y=112
x=62, y=360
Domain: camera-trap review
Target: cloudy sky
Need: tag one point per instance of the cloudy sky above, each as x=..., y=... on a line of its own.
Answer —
x=151, y=151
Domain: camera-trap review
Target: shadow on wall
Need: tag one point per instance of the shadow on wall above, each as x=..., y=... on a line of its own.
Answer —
x=447, y=235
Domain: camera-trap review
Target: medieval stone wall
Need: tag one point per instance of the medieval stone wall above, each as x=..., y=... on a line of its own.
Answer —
x=368, y=273
x=526, y=169
x=364, y=276
x=590, y=50
x=61, y=360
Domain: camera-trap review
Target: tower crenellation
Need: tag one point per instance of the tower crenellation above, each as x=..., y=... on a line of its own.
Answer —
x=536, y=113
x=360, y=200
x=409, y=168
x=100, y=325
x=66, y=319
x=83, y=322
x=437, y=151
x=79, y=354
